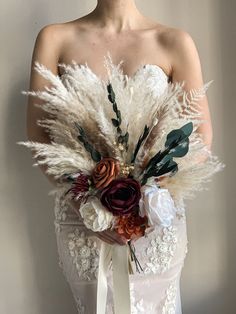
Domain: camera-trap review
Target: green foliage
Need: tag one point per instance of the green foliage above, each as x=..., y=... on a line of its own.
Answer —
x=96, y=156
x=140, y=141
x=123, y=139
x=176, y=145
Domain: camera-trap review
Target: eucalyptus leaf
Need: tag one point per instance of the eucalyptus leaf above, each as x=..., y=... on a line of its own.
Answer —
x=176, y=145
x=174, y=137
x=180, y=150
x=187, y=128
x=178, y=135
x=155, y=159
x=169, y=166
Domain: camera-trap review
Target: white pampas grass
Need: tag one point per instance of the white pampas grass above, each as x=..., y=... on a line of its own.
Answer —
x=59, y=159
x=80, y=96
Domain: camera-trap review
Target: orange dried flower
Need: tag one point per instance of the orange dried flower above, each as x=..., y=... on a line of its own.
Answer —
x=105, y=171
x=131, y=226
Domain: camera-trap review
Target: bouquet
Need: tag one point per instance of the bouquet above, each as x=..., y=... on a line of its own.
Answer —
x=129, y=157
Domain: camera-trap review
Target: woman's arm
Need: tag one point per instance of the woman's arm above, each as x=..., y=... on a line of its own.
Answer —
x=186, y=67
x=46, y=52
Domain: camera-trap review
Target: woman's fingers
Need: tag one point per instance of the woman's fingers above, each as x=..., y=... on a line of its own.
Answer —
x=111, y=237
x=107, y=240
x=105, y=237
x=120, y=240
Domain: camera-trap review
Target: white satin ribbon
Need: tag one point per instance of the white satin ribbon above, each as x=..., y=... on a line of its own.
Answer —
x=119, y=254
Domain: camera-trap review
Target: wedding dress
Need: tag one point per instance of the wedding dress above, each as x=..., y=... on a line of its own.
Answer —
x=161, y=253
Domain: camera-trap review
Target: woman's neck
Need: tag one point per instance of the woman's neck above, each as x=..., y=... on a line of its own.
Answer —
x=117, y=15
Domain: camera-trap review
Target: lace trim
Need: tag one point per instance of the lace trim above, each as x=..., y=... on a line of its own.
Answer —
x=161, y=251
x=170, y=299
x=60, y=208
x=85, y=254
x=79, y=306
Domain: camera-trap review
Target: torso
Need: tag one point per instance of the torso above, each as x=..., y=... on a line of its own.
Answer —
x=83, y=42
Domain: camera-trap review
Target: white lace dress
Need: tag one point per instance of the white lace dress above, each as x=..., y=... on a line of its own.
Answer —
x=161, y=253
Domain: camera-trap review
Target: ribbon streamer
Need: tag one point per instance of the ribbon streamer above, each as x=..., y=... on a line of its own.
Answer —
x=119, y=254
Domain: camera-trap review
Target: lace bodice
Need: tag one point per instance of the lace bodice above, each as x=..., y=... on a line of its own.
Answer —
x=154, y=77
x=150, y=75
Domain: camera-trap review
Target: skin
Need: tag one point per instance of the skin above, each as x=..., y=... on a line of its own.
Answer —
x=116, y=26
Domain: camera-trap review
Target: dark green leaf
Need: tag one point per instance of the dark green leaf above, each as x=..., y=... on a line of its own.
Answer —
x=115, y=122
x=111, y=95
x=81, y=138
x=174, y=137
x=155, y=159
x=126, y=137
x=95, y=155
x=81, y=130
x=187, y=128
x=178, y=135
x=169, y=166
x=118, y=115
x=180, y=150
x=119, y=130
x=88, y=146
x=115, y=107
x=140, y=141
x=120, y=139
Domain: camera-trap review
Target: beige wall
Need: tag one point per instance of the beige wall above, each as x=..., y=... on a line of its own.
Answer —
x=30, y=279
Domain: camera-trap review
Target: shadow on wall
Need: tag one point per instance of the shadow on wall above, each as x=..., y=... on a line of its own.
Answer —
x=34, y=207
x=223, y=300
x=228, y=50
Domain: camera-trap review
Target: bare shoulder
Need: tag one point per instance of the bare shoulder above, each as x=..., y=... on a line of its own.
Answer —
x=175, y=40
x=179, y=44
x=49, y=42
x=51, y=34
x=59, y=34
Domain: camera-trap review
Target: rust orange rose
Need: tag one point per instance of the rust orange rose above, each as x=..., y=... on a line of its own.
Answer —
x=105, y=171
x=131, y=226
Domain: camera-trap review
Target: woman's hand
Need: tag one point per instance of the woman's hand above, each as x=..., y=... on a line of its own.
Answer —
x=109, y=236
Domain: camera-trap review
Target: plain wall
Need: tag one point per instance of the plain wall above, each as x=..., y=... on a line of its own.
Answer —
x=31, y=281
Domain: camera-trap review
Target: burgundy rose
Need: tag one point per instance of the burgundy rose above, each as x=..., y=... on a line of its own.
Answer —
x=121, y=196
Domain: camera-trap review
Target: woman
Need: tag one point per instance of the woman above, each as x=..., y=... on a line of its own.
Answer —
x=117, y=26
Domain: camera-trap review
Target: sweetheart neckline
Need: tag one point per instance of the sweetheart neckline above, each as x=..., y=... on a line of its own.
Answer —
x=132, y=76
x=141, y=67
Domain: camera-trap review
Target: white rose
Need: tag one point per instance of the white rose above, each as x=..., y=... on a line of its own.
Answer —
x=157, y=204
x=95, y=216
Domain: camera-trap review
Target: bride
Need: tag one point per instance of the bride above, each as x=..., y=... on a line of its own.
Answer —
x=160, y=54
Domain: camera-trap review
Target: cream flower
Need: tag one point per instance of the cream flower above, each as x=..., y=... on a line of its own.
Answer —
x=95, y=216
x=157, y=204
